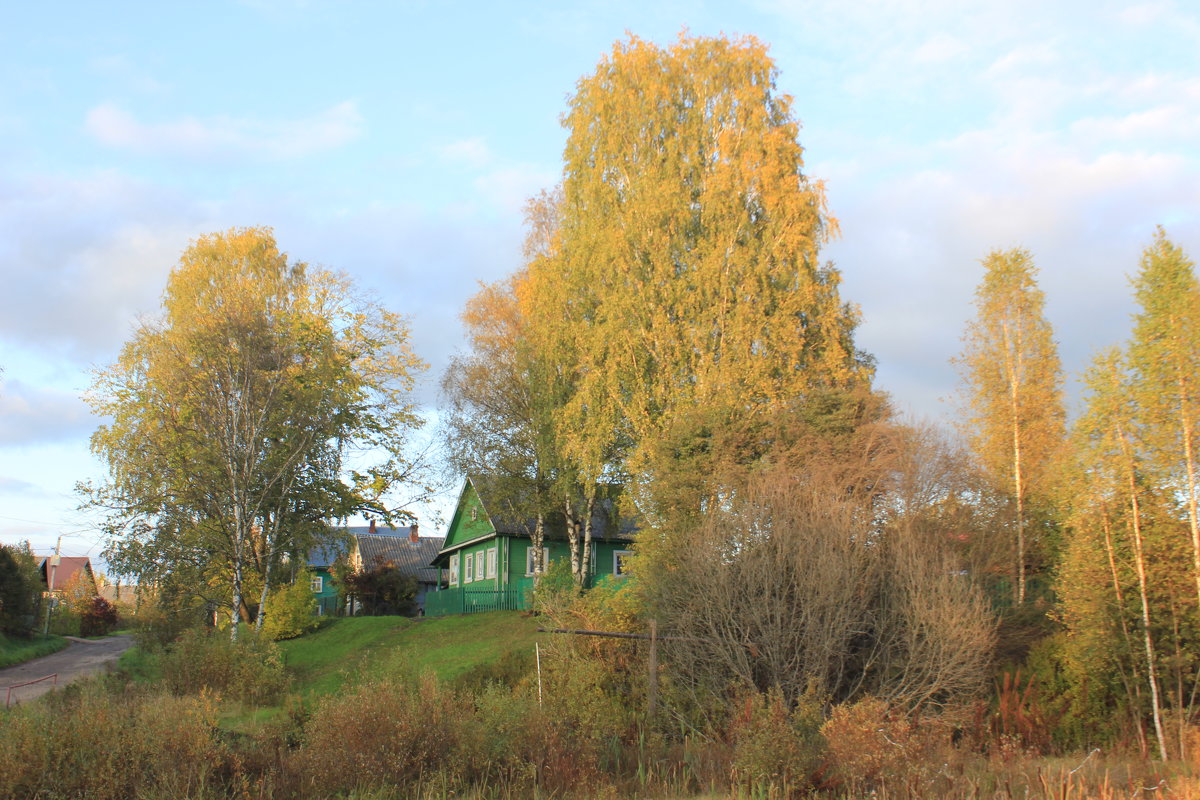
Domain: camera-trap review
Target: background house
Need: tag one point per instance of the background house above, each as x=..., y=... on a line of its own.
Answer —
x=487, y=559
x=60, y=572
x=370, y=546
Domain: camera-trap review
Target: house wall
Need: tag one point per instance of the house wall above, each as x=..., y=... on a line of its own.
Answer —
x=327, y=598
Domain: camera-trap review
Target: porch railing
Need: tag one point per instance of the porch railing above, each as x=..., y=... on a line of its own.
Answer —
x=471, y=601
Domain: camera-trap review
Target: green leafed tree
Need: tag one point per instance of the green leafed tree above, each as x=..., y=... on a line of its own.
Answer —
x=1014, y=387
x=1164, y=355
x=230, y=415
x=1115, y=499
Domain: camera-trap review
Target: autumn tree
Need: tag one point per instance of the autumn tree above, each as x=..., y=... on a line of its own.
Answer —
x=499, y=398
x=685, y=275
x=1165, y=358
x=1115, y=495
x=232, y=411
x=1014, y=384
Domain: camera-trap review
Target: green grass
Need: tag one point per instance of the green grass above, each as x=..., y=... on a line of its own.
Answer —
x=16, y=651
x=141, y=665
x=361, y=647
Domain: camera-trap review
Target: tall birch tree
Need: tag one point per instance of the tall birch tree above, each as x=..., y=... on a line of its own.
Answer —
x=1109, y=446
x=686, y=273
x=1014, y=384
x=1165, y=357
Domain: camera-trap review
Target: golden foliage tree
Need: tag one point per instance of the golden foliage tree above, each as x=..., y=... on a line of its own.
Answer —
x=1014, y=381
x=685, y=273
x=230, y=415
x=1165, y=357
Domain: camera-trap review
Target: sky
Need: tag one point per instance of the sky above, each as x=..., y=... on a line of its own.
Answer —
x=398, y=141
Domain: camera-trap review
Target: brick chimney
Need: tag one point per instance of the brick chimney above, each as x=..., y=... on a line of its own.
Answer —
x=412, y=533
x=371, y=528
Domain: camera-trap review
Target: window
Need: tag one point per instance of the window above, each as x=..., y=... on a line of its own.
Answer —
x=453, y=570
x=491, y=562
x=479, y=557
x=467, y=568
x=474, y=513
x=317, y=583
x=530, y=557
x=621, y=562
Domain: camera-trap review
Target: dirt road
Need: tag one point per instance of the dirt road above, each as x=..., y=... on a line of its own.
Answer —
x=80, y=658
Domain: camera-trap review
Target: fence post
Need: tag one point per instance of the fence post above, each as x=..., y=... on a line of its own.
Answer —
x=652, y=678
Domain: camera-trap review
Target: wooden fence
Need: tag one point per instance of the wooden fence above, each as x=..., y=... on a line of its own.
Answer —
x=472, y=601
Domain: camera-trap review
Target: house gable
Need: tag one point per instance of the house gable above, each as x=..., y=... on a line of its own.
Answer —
x=470, y=522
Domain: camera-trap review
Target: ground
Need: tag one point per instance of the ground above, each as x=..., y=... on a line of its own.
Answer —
x=82, y=658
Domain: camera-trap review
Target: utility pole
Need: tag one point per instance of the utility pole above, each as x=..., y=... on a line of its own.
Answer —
x=51, y=573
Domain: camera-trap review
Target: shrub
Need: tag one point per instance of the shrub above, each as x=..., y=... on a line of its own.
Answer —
x=156, y=625
x=20, y=586
x=290, y=612
x=250, y=670
x=90, y=742
x=386, y=733
x=98, y=618
x=871, y=745
x=776, y=749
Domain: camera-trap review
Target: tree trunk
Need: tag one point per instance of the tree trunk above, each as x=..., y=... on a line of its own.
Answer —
x=586, y=559
x=1140, y=565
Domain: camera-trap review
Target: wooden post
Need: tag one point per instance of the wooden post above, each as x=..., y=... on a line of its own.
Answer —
x=537, y=653
x=652, y=678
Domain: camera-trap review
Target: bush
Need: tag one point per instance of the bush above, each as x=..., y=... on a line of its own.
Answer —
x=387, y=733
x=20, y=587
x=88, y=742
x=291, y=612
x=777, y=750
x=250, y=670
x=873, y=745
x=156, y=625
x=98, y=618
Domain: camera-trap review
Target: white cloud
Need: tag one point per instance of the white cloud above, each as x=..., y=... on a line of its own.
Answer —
x=35, y=415
x=510, y=187
x=939, y=48
x=16, y=486
x=224, y=136
x=82, y=258
x=472, y=152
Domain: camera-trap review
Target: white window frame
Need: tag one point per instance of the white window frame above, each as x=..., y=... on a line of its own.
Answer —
x=617, y=556
x=491, y=563
x=453, y=570
x=479, y=565
x=467, y=562
x=530, y=553
x=317, y=584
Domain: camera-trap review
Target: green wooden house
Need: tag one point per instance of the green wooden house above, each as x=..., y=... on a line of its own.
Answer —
x=486, y=562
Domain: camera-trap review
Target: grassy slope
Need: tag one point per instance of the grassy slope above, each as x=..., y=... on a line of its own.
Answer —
x=362, y=647
x=17, y=651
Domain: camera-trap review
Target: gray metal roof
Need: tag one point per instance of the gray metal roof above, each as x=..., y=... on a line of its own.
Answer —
x=603, y=514
x=393, y=547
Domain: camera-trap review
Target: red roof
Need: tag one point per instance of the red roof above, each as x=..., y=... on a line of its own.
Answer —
x=68, y=566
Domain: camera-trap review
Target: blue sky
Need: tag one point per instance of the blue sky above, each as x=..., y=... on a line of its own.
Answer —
x=397, y=141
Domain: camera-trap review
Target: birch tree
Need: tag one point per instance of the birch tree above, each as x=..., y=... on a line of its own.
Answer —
x=686, y=273
x=230, y=414
x=1165, y=357
x=1014, y=383
x=1108, y=432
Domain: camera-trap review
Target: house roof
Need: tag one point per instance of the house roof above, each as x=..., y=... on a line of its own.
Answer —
x=501, y=514
x=494, y=498
x=68, y=567
x=393, y=547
